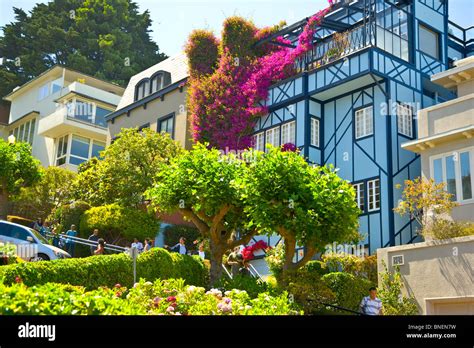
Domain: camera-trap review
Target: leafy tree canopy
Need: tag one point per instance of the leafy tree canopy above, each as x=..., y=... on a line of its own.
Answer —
x=108, y=39
x=51, y=191
x=127, y=168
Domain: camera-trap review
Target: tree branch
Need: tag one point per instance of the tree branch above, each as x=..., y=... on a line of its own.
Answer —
x=244, y=240
x=200, y=225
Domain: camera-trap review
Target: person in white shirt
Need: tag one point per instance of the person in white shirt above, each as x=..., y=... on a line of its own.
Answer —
x=180, y=247
x=137, y=244
x=201, y=252
x=371, y=305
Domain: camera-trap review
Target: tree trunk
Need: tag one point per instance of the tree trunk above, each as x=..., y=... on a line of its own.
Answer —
x=3, y=205
x=217, y=253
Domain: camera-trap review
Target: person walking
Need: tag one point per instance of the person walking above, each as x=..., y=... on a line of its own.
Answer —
x=70, y=243
x=371, y=305
x=147, y=245
x=235, y=261
x=137, y=244
x=38, y=224
x=180, y=247
x=100, y=247
x=94, y=237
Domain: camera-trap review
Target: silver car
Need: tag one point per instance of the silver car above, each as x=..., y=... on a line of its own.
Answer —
x=30, y=244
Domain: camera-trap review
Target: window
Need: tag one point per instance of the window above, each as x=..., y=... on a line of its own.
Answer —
x=25, y=132
x=79, y=150
x=166, y=125
x=373, y=194
x=359, y=191
x=315, y=132
x=56, y=85
x=156, y=83
x=288, y=133
x=429, y=41
x=466, y=177
x=455, y=170
x=43, y=92
x=364, y=125
x=97, y=147
x=259, y=141
x=142, y=89
x=61, y=152
x=273, y=136
x=405, y=120
x=83, y=111
x=100, y=114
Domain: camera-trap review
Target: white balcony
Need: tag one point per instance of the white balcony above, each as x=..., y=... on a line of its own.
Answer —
x=62, y=122
x=91, y=93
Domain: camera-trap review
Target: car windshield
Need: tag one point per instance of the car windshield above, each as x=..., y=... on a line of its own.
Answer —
x=39, y=236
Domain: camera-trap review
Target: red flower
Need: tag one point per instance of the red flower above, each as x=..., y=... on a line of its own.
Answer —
x=18, y=279
x=171, y=299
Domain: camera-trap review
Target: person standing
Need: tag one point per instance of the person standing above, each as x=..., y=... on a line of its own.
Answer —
x=147, y=245
x=180, y=247
x=371, y=305
x=100, y=247
x=38, y=224
x=55, y=237
x=70, y=243
x=201, y=252
x=94, y=237
x=235, y=261
x=137, y=244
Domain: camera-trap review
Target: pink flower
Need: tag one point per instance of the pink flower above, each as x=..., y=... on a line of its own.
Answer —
x=171, y=299
x=170, y=309
x=18, y=279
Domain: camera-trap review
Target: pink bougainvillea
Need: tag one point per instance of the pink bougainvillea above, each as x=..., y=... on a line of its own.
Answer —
x=230, y=77
x=247, y=252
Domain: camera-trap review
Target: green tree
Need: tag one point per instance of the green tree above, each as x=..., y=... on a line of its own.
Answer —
x=421, y=197
x=127, y=168
x=108, y=39
x=307, y=205
x=51, y=191
x=18, y=168
x=117, y=224
x=200, y=185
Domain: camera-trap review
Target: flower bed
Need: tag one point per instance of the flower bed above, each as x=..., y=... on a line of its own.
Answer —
x=168, y=297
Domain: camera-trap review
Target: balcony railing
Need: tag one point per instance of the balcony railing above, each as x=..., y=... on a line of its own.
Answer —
x=336, y=46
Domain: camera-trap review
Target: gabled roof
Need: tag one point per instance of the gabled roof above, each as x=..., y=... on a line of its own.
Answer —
x=177, y=66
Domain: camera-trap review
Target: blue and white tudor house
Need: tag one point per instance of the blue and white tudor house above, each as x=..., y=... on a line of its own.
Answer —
x=354, y=100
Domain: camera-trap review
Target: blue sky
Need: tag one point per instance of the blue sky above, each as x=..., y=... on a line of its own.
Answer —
x=173, y=20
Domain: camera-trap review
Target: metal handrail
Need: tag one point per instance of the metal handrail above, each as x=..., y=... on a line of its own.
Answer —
x=227, y=271
x=254, y=272
x=87, y=242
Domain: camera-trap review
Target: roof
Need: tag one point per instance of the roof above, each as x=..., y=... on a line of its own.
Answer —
x=177, y=66
x=57, y=70
x=420, y=145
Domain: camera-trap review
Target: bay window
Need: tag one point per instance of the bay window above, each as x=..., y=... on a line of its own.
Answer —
x=74, y=149
x=455, y=171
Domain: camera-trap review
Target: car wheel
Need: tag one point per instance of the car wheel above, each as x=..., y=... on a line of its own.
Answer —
x=40, y=257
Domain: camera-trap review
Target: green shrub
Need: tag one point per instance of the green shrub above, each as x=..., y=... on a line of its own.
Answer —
x=251, y=285
x=60, y=299
x=390, y=293
x=118, y=224
x=69, y=214
x=107, y=270
x=348, y=290
x=446, y=229
x=173, y=297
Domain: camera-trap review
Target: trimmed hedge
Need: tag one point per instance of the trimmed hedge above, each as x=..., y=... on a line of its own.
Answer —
x=108, y=270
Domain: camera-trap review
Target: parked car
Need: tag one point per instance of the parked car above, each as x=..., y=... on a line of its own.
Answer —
x=31, y=245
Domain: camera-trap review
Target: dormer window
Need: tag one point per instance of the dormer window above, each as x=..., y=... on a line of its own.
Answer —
x=142, y=89
x=148, y=86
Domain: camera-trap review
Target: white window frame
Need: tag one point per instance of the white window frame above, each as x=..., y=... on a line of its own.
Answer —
x=259, y=141
x=288, y=133
x=274, y=133
x=360, y=195
x=25, y=136
x=373, y=204
x=364, y=122
x=44, y=88
x=314, y=132
x=68, y=154
x=405, y=120
x=457, y=171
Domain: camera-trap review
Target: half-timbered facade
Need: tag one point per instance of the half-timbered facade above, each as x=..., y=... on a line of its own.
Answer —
x=354, y=99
